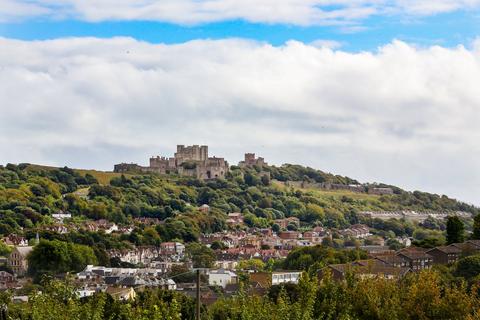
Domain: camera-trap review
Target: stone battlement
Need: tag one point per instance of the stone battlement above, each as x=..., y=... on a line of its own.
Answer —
x=190, y=161
x=251, y=161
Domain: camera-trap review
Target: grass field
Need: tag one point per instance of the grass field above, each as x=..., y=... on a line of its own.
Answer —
x=331, y=194
x=340, y=193
x=103, y=177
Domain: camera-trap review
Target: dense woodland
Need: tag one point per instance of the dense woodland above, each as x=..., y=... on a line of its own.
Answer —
x=29, y=194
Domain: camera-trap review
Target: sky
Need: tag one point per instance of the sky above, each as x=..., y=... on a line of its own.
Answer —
x=378, y=90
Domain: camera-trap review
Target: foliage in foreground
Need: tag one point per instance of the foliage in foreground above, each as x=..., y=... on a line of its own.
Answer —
x=419, y=296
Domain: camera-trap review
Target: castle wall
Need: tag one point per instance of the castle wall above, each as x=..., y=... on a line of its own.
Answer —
x=202, y=167
x=191, y=153
x=251, y=161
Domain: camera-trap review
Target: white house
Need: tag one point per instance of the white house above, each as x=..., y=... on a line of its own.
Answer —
x=85, y=292
x=221, y=277
x=285, y=277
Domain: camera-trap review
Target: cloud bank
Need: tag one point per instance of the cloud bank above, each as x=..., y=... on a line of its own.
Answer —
x=403, y=115
x=187, y=12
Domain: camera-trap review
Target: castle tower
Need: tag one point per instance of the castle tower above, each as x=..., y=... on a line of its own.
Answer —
x=203, y=153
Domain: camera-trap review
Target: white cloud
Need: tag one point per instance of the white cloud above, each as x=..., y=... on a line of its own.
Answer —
x=331, y=44
x=297, y=12
x=403, y=115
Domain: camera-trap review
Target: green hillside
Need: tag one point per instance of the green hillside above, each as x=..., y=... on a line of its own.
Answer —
x=30, y=193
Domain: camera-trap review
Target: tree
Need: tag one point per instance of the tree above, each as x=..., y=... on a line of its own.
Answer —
x=476, y=227
x=455, y=230
x=218, y=245
x=202, y=256
x=54, y=257
x=468, y=267
x=4, y=249
x=275, y=228
x=265, y=180
x=252, y=264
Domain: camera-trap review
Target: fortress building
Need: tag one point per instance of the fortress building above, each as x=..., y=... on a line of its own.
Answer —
x=251, y=161
x=190, y=161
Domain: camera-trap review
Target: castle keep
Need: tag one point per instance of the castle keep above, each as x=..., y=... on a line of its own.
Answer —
x=190, y=161
x=251, y=161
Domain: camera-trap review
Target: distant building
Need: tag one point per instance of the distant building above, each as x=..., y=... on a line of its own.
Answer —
x=268, y=279
x=172, y=248
x=18, y=261
x=60, y=216
x=15, y=240
x=7, y=280
x=288, y=235
x=417, y=258
x=339, y=186
x=190, y=161
x=226, y=264
x=234, y=219
x=221, y=278
x=251, y=161
x=283, y=223
x=122, y=294
x=366, y=269
x=445, y=254
x=380, y=191
x=358, y=231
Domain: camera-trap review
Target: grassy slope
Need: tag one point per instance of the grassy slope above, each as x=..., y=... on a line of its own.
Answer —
x=103, y=177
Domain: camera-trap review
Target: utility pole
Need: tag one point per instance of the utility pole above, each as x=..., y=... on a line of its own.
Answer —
x=198, y=295
x=4, y=312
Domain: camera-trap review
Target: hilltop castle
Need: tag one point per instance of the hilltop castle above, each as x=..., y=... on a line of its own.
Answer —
x=192, y=161
x=251, y=161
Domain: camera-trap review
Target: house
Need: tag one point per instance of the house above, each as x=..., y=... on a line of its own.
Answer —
x=15, y=240
x=146, y=254
x=474, y=245
x=60, y=216
x=288, y=235
x=221, y=277
x=251, y=242
x=86, y=292
x=123, y=294
x=57, y=228
x=392, y=260
x=172, y=248
x=234, y=219
x=17, y=260
x=164, y=266
x=445, y=254
x=312, y=236
x=358, y=231
x=7, y=280
x=167, y=284
x=283, y=223
x=366, y=270
x=226, y=264
x=99, y=276
x=268, y=279
x=375, y=249
x=266, y=232
x=417, y=258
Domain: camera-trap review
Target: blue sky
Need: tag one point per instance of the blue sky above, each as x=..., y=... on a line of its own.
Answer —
x=378, y=90
x=451, y=28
